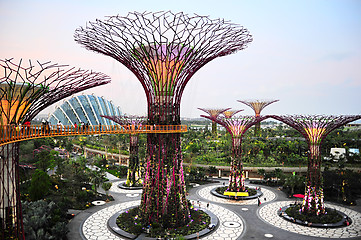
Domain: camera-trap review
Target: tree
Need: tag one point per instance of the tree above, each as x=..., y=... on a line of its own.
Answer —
x=294, y=181
x=261, y=172
x=45, y=160
x=96, y=177
x=278, y=173
x=40, y=184
x=106, y=186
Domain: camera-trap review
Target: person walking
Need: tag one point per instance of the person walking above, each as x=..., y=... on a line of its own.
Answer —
x=59, y=126
x=259, y=201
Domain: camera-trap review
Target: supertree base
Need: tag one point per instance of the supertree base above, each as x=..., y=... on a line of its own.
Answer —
x=248, y=194
x=332, y=218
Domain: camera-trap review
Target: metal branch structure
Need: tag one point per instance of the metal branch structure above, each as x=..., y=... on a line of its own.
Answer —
x=214, y=113
x=257, y=106
x=25, y=90
x=164, y=50
x=315, y=128
x=133, y=176
x=236, y=126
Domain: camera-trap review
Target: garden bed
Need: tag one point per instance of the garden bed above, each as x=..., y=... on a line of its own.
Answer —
x=253, y=193
x=332, y=218
x=123, y=186
x=128, y=224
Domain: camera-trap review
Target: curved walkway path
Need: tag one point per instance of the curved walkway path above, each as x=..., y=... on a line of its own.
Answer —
x=238, y=219
x=95, y=227
x=269, y=214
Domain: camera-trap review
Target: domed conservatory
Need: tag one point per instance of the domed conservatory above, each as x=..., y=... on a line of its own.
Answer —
x=86, y=109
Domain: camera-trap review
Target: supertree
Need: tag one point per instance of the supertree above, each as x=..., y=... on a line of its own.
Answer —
x=315, y=128
x=164, y=50
x=25, y=90
x=257, y=106
x=214, y=112
x=133, y=176
x=236, y=127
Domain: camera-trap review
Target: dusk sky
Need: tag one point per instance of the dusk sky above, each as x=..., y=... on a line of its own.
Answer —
x=307, y=54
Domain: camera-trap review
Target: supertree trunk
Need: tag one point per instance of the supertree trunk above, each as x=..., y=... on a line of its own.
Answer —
x=164, y=200
x=236, y=176
x=214, y=129
x=257, y=129
x=164, y=50
x=315, y=128
x=10, y=207
x=313, y=201
x=133, y=177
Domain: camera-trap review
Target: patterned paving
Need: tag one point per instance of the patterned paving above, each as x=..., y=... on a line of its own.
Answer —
x=95, y=227
x=231, y=225
x=117, y=189
x=268, y=213
x=206, y=194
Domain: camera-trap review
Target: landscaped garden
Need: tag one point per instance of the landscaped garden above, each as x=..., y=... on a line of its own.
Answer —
x=73, y=186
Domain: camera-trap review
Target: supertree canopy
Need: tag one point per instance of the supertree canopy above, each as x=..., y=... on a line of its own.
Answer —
x=164, y=50
x=214, y=113
x=133, y=176
x=257, y=106
x=25, y=90
x=315, y=128
x=236, y=126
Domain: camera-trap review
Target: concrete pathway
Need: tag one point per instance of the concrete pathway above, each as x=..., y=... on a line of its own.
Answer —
x=238, y=219
x=268, y=213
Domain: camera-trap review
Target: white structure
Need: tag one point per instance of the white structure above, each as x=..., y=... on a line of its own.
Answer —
x=338, y=153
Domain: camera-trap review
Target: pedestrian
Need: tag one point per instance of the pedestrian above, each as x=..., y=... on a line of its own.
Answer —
x=43, y=126
x=27, y=127
x=59, y=126
x=259, y=201
x=207, y=204
x=76, y=127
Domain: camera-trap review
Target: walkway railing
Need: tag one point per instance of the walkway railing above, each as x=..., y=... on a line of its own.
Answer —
x=11, y=133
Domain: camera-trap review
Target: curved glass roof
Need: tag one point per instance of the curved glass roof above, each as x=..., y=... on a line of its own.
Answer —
x=84, y=108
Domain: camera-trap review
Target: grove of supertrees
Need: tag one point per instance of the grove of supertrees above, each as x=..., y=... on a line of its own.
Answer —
x=164, y=50
x=236, y=127
x=257, y=106
x=315, y=128
x=134, y=175
x=25, y=90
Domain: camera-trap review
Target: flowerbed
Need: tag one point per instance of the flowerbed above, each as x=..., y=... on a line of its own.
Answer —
x=131, y=222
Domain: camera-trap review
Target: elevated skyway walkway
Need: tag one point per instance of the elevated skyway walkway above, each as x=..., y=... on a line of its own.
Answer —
x=12, y=133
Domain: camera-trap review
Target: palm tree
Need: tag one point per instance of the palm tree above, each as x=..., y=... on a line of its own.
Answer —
x=96, y=177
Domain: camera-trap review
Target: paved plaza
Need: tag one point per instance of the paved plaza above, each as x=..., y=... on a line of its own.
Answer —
x=238, y=219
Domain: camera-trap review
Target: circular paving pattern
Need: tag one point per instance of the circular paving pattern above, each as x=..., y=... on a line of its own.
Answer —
x=268, y=213
x=116, y=189
x=231, y=224
x=98, y=203
x=95, y=226
x=132, y=195
x=206, y=194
